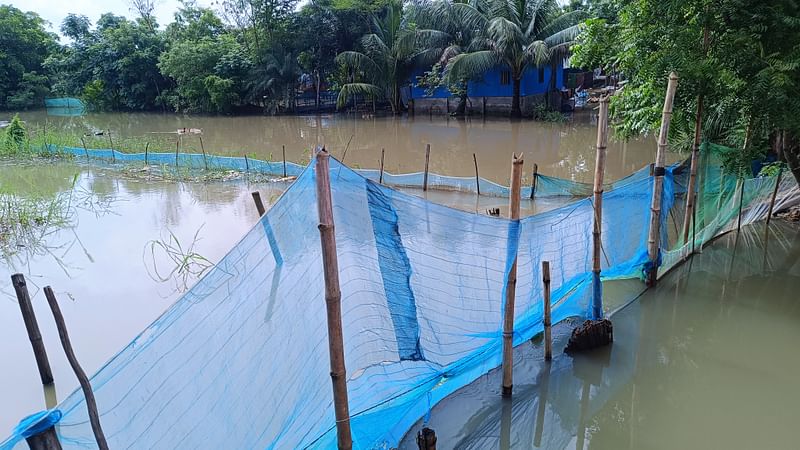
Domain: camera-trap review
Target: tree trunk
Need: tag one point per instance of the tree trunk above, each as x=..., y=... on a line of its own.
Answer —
x=461, y=109
x=397, y=106
x=551, y=97
x=791, y=153
x=516, y=111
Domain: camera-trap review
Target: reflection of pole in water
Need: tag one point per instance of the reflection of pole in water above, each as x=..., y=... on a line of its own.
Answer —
x=505, y=423
x=544, y=386
x=581, y=434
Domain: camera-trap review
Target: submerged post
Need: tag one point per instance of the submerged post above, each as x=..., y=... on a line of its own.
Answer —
x=599, y=169
x=203, y=149
x=658, y=184
x=246, y=164
x=477, y=177
x=283, y=149
x=511, y=285
x=146, y=149
x=427, y=160
x=548, y=332
x=85, y=150
x=177, y=146
x=774, y=195
x=380, y=177
x=533, y=181
x=333, y=299
x=259, y=203
x=29, y=317
x=91, y=404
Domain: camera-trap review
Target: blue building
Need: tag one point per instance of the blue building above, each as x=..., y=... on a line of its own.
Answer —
x=495, y=90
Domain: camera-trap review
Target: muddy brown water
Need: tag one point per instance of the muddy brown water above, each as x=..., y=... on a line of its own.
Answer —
x=565, y=150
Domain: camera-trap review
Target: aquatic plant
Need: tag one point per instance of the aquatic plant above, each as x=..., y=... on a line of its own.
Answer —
x=184, y=263
x=15, y=136
x=26, y=222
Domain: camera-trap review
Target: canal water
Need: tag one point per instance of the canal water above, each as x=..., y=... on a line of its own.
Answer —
x=565, y=150
x=707, y=360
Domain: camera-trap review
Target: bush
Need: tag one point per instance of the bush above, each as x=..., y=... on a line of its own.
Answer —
x=15, y=136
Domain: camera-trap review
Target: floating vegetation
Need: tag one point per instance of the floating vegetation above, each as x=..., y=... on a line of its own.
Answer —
x=185, y=265
x=25, y=223
x=168, y=172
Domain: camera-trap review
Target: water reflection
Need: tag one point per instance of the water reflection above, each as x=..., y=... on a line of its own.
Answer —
x=690, y=367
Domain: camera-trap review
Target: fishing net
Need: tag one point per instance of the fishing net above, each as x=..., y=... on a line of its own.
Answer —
x=240, y=361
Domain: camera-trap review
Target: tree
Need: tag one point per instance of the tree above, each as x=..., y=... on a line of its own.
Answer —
x=386, y=62
x=516, y=35
x=24, y=45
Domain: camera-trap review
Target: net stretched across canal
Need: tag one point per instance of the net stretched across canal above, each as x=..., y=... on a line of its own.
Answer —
x=240, y=361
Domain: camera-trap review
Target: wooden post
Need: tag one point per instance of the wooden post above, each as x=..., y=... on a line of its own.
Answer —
x=652, y=169
x=511, y=285
x=146, y=149
x=177, y=146
x=533, y=181
x=283, y=148
x=246, y=164
x=333, y=301
x=380, y=178
x=427, y=160
x=477, y=177
x=203, y=149
x=426, y=439
x=774, y=195
x=259, y=203
x=111, y=143
x=658, y=183
x=741, y=202
x=599, y=167
x=548, y=336
x=46, y=440
x=85, y=150
x=484, y=106
x=29, y=317
x=447, y=105
x=91, y=404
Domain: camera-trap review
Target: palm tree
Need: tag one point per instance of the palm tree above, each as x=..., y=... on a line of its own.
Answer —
x=516, y=34
x=389, y=55
x=273, y=81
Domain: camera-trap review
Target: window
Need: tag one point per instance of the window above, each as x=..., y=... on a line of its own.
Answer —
x=505, y=77
x=541, y=74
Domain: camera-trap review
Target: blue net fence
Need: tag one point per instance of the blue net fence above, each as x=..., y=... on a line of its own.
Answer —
x=240, y=361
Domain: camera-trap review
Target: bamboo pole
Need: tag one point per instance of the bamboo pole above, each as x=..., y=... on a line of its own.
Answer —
x=698, y=131
x=47, y=439
x=533, y=181
x=91, y=404
x=548, y=332
x=333, y=299
x=111, y=143
x=177, y=146
x=85, y=150
x=599, y=169
x=774, y=195
x=511, y=285
x=427, y=161
x=246, y=164
x=283, y=149
x=203, y=149
x=146, y=150
x=29, y=317
x=477, y=177
x=383, y=154
x=658, y=183
x=259, y=203
x=741, y=202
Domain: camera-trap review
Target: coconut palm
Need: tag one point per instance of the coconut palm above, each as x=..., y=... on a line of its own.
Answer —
x=389, y=55
x=515, y=34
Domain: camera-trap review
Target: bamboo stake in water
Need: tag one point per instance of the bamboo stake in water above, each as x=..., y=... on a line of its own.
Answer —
x=548, y=336
x=111, y=143
x=380, y=178
x=658, y=183
x=91, y=404
x=511, y=285
x=333, y=301
x=32, y=327
x=477, y=177
x=774, y=195
x=427, y=160
x=246, y=164
x=146, y=148
x=259, y=203
x=533, y=181
x=203, y=149
x=85, y=150
x=283, y=147
x=599, y=169
x=177, y=146
x=741, y=203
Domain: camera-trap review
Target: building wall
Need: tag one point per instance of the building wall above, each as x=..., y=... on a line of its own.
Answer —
x=534, y=81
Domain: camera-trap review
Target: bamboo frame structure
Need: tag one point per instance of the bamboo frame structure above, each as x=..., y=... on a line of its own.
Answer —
x=511, y=285
x=658, y=183
x=599, y=171
x=333, y=301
